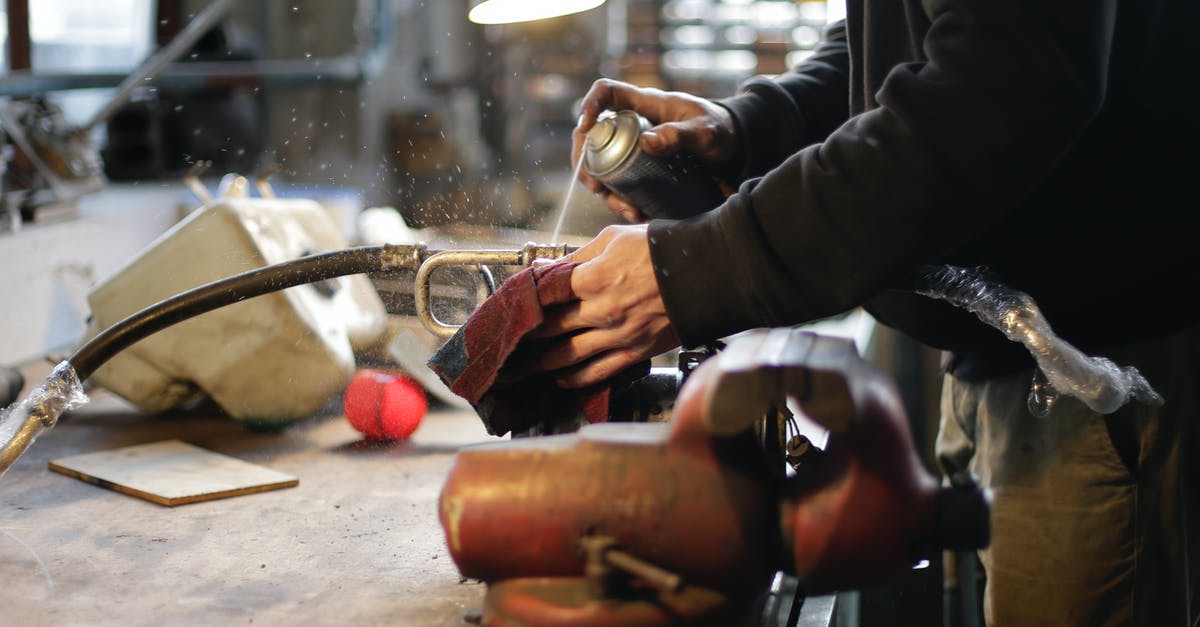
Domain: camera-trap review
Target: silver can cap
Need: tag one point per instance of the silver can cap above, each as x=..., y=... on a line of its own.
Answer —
x=611, y=141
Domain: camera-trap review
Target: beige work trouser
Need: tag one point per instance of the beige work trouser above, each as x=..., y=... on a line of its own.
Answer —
x=1096, y=519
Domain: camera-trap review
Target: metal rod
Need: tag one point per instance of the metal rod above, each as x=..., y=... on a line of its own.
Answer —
x=20, y=441
x=263, y=183
x=453, y=258
x=662, y=579
x=187, y=38
x=342, y=70
x=192, y=181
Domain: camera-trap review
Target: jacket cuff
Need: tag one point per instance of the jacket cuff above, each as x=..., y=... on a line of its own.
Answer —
x=702, y=284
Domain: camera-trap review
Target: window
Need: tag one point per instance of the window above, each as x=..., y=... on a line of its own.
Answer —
x=80, y=36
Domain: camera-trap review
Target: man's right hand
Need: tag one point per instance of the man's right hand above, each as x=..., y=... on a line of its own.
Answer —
x=681, y=122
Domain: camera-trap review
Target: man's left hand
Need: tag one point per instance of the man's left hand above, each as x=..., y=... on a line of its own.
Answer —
x=619, y=318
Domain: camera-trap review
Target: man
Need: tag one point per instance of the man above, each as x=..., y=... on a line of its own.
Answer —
x=1050, y=141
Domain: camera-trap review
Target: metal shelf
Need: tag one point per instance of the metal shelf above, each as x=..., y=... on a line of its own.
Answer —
x=343, y=70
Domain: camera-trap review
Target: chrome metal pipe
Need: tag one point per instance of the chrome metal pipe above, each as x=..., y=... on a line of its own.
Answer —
x=523, y=257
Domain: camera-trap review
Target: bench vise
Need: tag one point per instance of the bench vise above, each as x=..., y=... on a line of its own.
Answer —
x=686, y=522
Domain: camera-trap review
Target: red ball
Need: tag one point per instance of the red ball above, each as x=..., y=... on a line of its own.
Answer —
x=384, y=405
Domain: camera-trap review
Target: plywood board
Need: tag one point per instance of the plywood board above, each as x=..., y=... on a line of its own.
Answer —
x=172, y=473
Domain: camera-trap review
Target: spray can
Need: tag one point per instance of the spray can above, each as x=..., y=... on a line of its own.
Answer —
x=678, y=186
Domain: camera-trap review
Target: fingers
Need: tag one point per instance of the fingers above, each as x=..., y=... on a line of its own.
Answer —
x=578, y=141
x=618, y=318
x=593, y=357
x=671, y=137
x=708, y=136
x=662, y=140
x=606, y=93
x=683, y=122
x=561, y=320
x=596, y=356
x=601, y=96
x=600, y=369
x=590, y=250
x=580, y=347
x=622, y=207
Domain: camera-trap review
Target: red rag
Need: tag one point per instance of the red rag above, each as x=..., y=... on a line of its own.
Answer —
x=506, y=398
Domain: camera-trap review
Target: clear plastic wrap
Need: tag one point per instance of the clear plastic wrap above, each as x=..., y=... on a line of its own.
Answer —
x=1062, y=369
x=22, y=422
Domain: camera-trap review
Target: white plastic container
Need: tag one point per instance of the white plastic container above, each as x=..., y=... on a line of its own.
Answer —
x=274, y=358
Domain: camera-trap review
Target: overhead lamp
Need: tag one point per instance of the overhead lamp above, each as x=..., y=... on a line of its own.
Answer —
x=509, y=11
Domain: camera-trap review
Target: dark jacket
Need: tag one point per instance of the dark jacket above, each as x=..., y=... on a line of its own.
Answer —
x=1053, y=141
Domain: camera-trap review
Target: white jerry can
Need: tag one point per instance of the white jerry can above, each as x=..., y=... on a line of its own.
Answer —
x=270, y=359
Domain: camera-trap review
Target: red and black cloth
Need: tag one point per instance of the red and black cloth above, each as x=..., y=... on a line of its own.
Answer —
x=487, y=361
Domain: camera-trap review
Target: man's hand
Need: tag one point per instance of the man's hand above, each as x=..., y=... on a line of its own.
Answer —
x=682, y=122
x=619, y=319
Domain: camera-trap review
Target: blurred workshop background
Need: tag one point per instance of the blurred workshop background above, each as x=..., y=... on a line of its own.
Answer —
x=461, y=129
x=396, y=103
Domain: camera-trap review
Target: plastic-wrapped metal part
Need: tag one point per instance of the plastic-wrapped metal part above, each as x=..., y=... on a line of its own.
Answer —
x=1062, y=369
x=21, y=423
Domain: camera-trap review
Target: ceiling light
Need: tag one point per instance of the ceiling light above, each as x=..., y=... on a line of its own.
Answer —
x=509, y=11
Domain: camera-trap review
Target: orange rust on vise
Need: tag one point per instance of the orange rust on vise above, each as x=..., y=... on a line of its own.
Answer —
x=518, y=509
x=860, y=516
x=705, y=506
x=563, y=602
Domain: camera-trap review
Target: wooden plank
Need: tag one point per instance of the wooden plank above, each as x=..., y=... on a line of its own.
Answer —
x=172, y=473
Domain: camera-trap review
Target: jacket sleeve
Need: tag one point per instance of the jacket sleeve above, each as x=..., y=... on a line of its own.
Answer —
x=955, y=143
x=776, y=117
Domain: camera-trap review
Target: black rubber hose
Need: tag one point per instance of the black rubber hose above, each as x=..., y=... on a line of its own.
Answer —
x=218, y=294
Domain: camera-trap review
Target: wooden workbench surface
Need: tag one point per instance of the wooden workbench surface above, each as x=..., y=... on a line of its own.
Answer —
x=356, y=543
